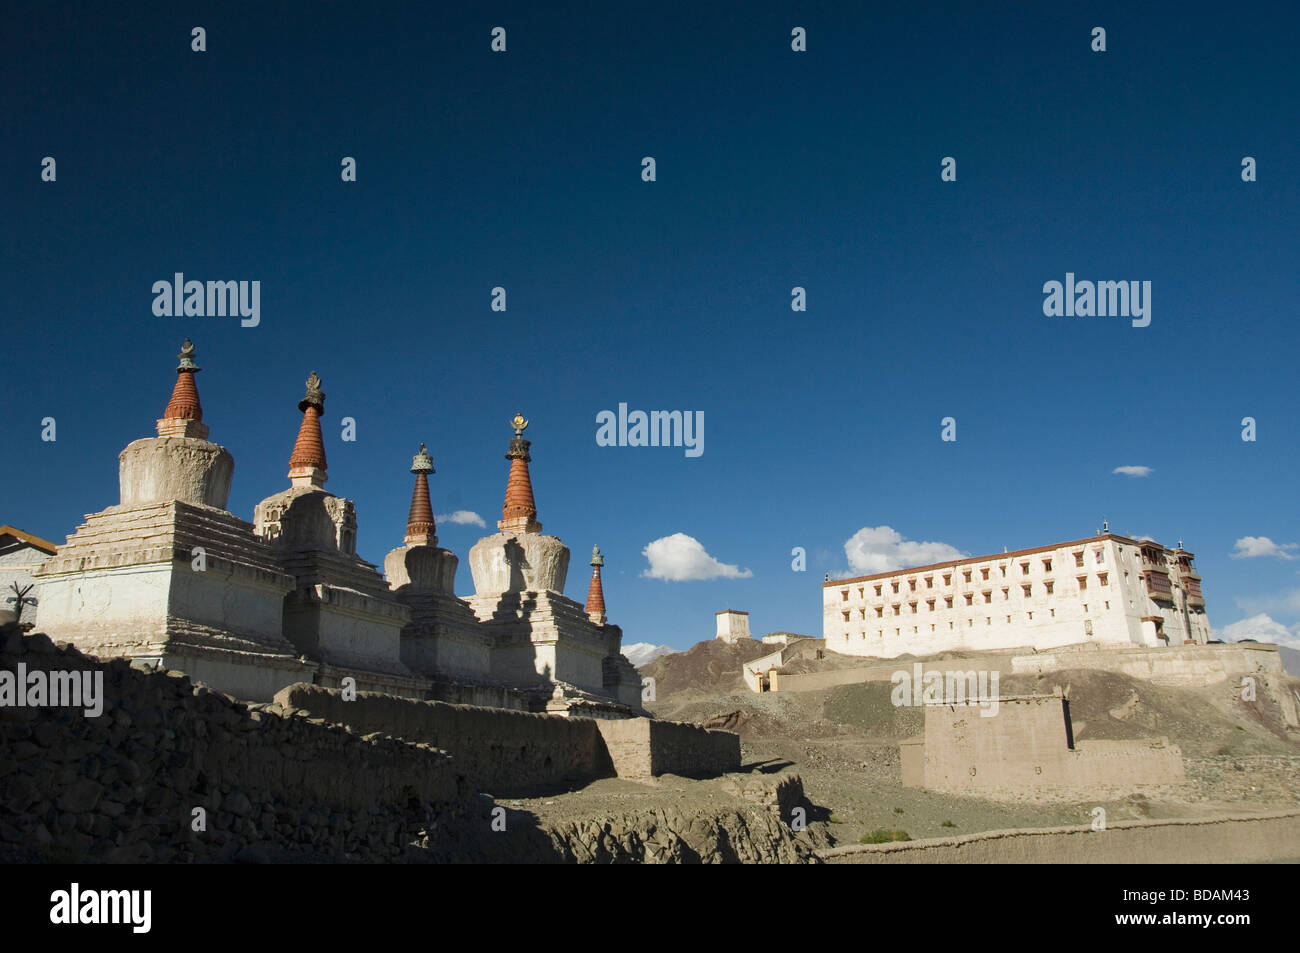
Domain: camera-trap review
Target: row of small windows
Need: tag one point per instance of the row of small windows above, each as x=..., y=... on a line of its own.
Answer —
x=1027, y=590
x=1099, y=559
x=988, y=620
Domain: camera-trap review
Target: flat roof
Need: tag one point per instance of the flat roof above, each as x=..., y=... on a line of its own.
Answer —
x=953, y=563
x=732, y=612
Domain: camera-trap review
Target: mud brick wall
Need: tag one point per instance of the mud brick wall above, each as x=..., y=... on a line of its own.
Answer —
x=643, y=747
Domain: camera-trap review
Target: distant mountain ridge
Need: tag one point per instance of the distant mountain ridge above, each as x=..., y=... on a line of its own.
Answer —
x=643, y=653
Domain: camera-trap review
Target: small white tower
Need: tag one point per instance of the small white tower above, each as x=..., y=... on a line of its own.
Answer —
x=733, y=625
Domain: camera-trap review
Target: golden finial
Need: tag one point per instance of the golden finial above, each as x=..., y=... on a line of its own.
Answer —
x=519, y=424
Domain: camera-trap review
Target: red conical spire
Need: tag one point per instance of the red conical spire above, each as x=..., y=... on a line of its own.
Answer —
x=596, y=592
x=519, y=514
x=184, y=414
x=419, y=523
x=307, y=462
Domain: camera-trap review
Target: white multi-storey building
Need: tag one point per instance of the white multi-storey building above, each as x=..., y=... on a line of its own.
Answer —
x=1107, y=589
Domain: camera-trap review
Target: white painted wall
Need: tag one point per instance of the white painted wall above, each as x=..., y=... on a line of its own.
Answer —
x=1073, y=612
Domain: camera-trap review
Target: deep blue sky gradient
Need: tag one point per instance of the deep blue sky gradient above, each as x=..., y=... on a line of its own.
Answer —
x=775, y=169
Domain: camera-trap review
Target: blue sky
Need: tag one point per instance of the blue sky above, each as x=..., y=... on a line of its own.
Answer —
x=775, y=169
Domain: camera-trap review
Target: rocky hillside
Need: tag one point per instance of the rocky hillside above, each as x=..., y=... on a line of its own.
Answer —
x=712, y=666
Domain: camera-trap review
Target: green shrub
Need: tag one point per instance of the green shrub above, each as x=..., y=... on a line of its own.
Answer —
x=882, y=836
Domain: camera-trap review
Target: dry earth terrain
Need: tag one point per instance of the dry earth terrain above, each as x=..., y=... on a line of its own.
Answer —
x=843, y=742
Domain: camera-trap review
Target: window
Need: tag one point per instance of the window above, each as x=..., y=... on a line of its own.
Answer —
x=1024, y=569
x=845, y=613
x=844, y=595
x=862, y=613
x=911, y=585
x=878, y=590
x=970, y=597
x=1087, y=627
x=894, y=585
x=930, y=604
x=1108, y=604
x=913, y=605
x=1006, y=594
x=1102, y=577
x=947, y=579
x=1008, y=620
x=988, y=595
x=1002, y=570
x=1047, y=565
x=1053, y=612
x=862, y=592
x=880, y=611
x=1028, y=590
x=967, y=575
x=929, y=582
x=947, y=602
x=931, y=626
x=1050, y=586
x=1085, y=608
x=1031, y=617
x=895, y=608
x=1078, y=558
x=1099, y=556
x=984, y=573
x=1083, y=583
x=988, y=620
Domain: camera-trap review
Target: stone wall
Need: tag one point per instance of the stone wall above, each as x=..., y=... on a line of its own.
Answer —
x=520, y=754
x=1225, y=840
x=505, y=753
x=883, y=672
x=1024, y=747
x=1181, y=665
x=642, y=748
x=273, y=784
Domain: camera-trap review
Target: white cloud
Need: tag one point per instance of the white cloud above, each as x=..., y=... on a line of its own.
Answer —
x=1134, y=471
x=874, y=549
x=1262, y=628
x=681, y=558
x=1249, y=547
x=461, y=518
x=1285, y=603
x=643, y=653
